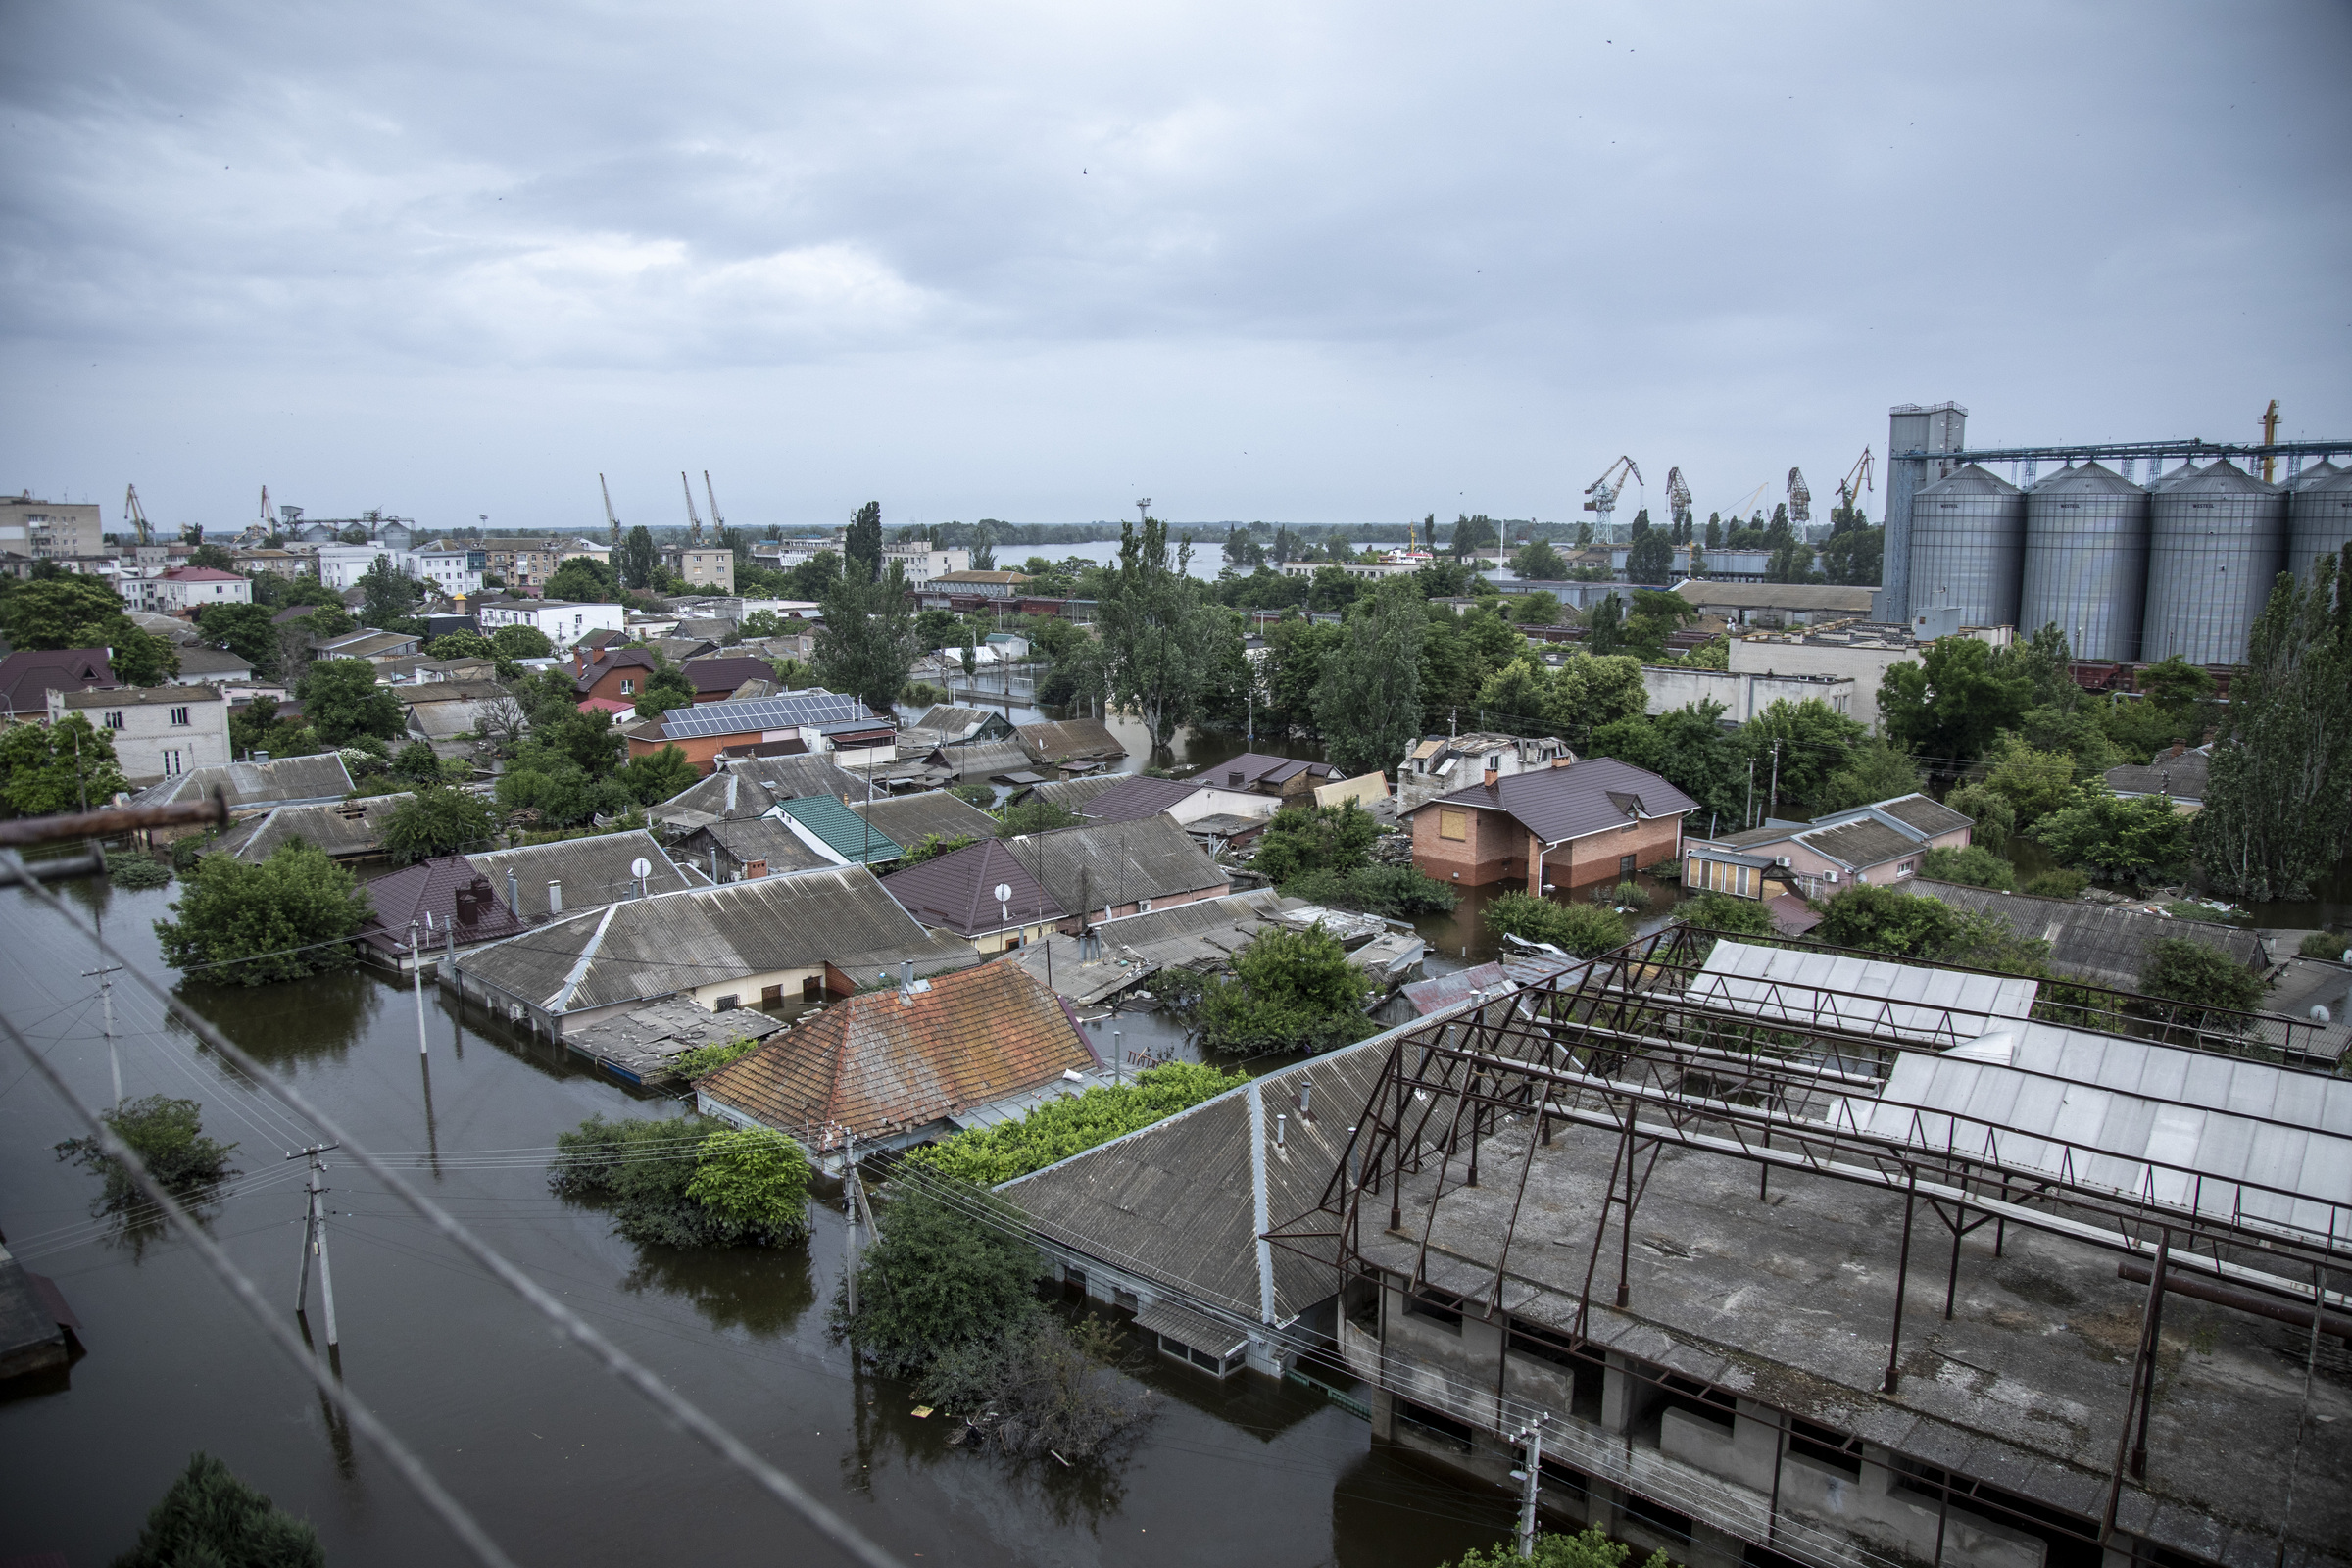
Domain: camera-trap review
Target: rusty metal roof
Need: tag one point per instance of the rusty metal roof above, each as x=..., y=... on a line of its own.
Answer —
x=890, y=1061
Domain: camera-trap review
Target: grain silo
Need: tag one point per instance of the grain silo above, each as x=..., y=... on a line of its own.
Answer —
x=2087, y=561
x=2318, y=516
x=1968, y=544
x=2217, y=539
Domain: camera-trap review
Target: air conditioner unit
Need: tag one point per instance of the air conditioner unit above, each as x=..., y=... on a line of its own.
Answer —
x=1829, y=876
x=1780, y=861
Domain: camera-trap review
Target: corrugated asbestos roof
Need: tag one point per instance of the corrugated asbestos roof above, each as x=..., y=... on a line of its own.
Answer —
x=753, y=785
x=888, y=1061
x=2181, y=777
x=1050, y=744
x=1485, y=979
x=1175, y=1202
x=985, y=758
x=1558, y=804
x=1117, y=863
x=1875, y=996
x=1806, y=597
x=957, y=891
x=248, y=785
x=1931, y=817
x=643, y=1045
x=909, y=818
x=1859, y=845
x=1072, y=793
x=2098, y=942
x=1202, y=935
x=952, y=723
x=594, y=870
x=2142, y=1106
x=341, y=828
x=758, y=838
x=646, y=949
x=851, y=836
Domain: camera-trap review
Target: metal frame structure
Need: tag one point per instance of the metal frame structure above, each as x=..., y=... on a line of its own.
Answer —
x=2077, y=451
x=1621, y=1047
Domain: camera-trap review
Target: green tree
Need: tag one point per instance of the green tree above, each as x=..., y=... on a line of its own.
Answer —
x=66, y=766
x=70, y=611
x=1034, y=815
x=1604, y=626
x=245, y=631
x=1515, y=697
x=1882, y=919
x=391, y=595
x=256, y=728
x=1656, y=617
x=751, y=1185
x=521, y=642
x=1588, y=1549
x=2020, y=786
x=659, y=775
x=2186, y=969
x=1789, y=562
x=418, y=764
x=1315, y=838
x=341, y=700
x=1540, y=609
x=1591, y=691
x=1714, y=538
x=167, y=1137
x=1949, y=705
x=1369, y=703
x=2279, y=799
x=864, y=544
x=586, y=580
x=639, y=561
x=668, y=688
x=1650, y=557
x=1539, y=563
x=754, y=1180
x=436, y=820
x=867, y=642
x=813, y=579
x=952, y=1271
x=1332, y=588
x=1473, y=535
x=209, y=1517
x=1854, y=557
x=279, y=921
x=462, y=644
x=1162, y=640
x=1973, y=867
x=2135, y=839
x=1724, y=911
x=1873, y=771
x=1291, y=990
x=1584, y=929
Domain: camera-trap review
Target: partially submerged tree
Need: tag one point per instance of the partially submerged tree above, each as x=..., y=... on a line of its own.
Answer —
x=688, y=1182
x=1291, y=990
x=436, y=819
x=210, y=1519
x=242, y=924
x=167, y=1137
x=1585, y=930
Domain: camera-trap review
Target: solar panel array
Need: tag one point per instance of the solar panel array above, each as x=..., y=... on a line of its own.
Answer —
x=787, y=712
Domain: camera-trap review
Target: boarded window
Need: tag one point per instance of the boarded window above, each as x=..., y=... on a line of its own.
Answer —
x=1453, y=824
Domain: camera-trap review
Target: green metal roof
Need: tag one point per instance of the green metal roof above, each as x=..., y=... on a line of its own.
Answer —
x=849, y=834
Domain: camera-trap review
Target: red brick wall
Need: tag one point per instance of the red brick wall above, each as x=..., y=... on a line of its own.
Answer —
x=1497, y=849
x=1582, y=862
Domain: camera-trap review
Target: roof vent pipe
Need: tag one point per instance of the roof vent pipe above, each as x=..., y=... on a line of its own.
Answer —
x=1306, y=1100
x=906, y=974
x=1282, y=1127
x=555, y=896
x=513, y=891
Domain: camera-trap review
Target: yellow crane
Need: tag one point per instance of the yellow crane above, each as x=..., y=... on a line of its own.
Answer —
x=1852, y=487
x=2270, y=438
x=610, y=515
x=135, y=514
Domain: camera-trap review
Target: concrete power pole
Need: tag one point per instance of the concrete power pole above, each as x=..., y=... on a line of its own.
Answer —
x=314, y=1241
x=416, y=965
x=1530, y=1482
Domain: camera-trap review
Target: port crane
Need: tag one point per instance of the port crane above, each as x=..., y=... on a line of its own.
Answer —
x=610, y=515
x=1852, y=487
x=694, y=523
x=1800, y=502
x=136, y=516
x=718, y=524
x=1604, y=492
x=1678, y=501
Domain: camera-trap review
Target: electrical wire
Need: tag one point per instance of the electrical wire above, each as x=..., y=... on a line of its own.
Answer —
x=619, y=1363
x=452, y=1513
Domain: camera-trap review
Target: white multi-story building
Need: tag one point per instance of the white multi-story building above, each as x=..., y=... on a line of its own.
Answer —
x=453, y=567
x=159, y=732
x=182, y=590
x=563, y=622
x=922, y=563
x=341, y=566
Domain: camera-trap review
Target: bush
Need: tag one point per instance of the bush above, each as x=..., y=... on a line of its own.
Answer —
x=2324, y=945
x=2192, y=909
x=1584, y=929
x=922, y=694
x=521, y=642
x=931, y=847
x=692, y=1182
x=416, y=764
x=1914, y=926
x=979, y=795
x=2058, y=885
x=704, y=1061
x=1317, y=838
x=952, y=1271
x=168, y=1136
x=1072, y=1123
x=1625, y=897
x=1971, y=866
x=2139, y=839
x=211, y=1517
x=1588, y=1549
x=1392, y=891
x=2184, y=969
x=1034, y=815
x=1291, y=990
x=279, y=920
x=1041, y=1389
x=437, y=820
x=1724, y=911
x=136, y=872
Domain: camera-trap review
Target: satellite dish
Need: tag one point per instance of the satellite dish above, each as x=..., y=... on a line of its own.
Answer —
x=1003, y=892
x=641, y=867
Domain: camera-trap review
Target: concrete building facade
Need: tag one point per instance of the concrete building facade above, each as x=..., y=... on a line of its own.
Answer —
x=1570, y=825
x=159, y=732
x=1743, y=694
x=48, y=530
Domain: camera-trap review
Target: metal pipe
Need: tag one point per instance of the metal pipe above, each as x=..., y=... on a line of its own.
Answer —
x=210, y=812
x=2239, y=1297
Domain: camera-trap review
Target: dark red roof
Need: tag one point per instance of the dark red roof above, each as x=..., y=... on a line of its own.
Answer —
x=606, y=662
x=28, y=676
x=724, y=675
x=1133, y=798
x=432, y=886
x=957, y=890
x=1589, y=796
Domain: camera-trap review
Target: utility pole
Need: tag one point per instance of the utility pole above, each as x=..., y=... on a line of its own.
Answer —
x=1118, y=1058
x=1747, y=812
x=106, y=1004
x=416, y=965
x=1772, y=795
x=314, y=1241
x=849, y=1201
x=1529, y=1480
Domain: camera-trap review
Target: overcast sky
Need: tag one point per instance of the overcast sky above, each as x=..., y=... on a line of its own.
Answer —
x=1309, y=263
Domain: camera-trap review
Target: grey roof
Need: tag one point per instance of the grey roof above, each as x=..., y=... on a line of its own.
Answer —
x=1117, y=863
x=2181, y=777
x=282, y=780
x=1589, y=796
x=645, y=948
x=1870, y=996
x=643, y=1045
x=1071, y=738
x=1136, y=797
x=985, y=758
x=1858, y=844
x=213, y=661
x=1072, y=793
x=1513, y=971
x=339, y=827
x=957, y=892
x=1214, y=1338
x=952, y=722
x=813, y=707
x=1931, y=817
x=1199, y=936
x=2098, y=942
x=753, y=785
x=1777, y=596
x=758, y=838
x=1175, y=1203
x=594, y=870
x=906, y=818
x=1970, y=479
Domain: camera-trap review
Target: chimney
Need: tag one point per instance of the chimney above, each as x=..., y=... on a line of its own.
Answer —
x=906, y=974
x=2178, y=748
x=555, y=896
x=1493, y=770
x=1306, y=1101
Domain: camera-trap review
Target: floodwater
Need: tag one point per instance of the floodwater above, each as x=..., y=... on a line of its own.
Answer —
x=557, y=1459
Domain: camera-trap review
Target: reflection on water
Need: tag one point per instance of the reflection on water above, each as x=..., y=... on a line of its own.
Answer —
x=287, y=1024
x=762, y=1291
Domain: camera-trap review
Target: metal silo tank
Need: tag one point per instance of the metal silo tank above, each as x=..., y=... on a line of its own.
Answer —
x=2217, y=540
x=1968, y=545
x=2087, y=561
x=2318, y=516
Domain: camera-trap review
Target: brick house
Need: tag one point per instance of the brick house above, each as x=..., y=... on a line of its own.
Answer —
x=1570, y=825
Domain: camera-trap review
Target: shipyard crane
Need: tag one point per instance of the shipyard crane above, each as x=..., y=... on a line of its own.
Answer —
x=136, y=516
x=694, y=523
x=1800, y=501
x=269, y=524
x=718, y=524
x=1604, y=492
x=610, y=515
x=1678, y=501
x=1852, y=487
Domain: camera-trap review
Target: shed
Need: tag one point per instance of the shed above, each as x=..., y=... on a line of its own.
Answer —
x=1072, y=740
x=911, y=818
x=1100, y=872
x=754, y=846
x=643, y=1045
x=847, y=834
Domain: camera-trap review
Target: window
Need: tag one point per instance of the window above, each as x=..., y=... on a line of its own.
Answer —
x=179, y=715
x=114, y=719
x=171, y=768
x=1453, y=824
x=629, y=687
x=1625, y=867
x=1906, y=868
